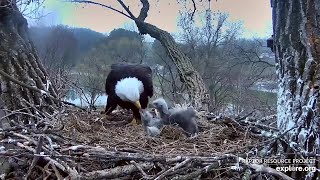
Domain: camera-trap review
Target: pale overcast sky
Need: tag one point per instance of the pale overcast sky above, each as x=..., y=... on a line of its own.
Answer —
x=255, y=15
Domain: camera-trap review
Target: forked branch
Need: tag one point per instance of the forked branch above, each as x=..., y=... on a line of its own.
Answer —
x=106, y=6
x=144, y=10
x=127, y=9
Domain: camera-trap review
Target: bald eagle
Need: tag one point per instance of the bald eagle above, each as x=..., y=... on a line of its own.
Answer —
x=129, y=86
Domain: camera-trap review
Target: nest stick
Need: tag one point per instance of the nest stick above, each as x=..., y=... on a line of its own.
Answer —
x=177, y=166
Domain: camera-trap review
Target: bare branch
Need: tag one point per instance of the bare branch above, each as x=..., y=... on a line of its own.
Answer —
x=144, y=10
x=127, y=9
x=103, y=5
x=145, y=175
x=115, y=172
x=194, y=9
x=177, y=166
x=36, y=89
x=36, y=158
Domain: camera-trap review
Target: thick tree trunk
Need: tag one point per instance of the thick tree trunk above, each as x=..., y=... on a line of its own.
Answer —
x=19, y=60
x=196, y=87
x=297, y=48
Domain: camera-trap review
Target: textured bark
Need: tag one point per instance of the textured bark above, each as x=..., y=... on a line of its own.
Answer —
x=19, y=59
x=196, y=87
x=188, y=75
x=297, y=48
x=4, y=124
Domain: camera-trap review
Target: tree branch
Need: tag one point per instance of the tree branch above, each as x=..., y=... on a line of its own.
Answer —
x=177, y=166
x=144, y=10
x=42, y=92
x=194, y=9
x=103, y=5
x=115, y=172
x=36, y=158
x=127, y=9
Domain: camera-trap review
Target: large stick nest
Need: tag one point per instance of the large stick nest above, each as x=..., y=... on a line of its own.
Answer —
x=111, y=132
x=93, y=146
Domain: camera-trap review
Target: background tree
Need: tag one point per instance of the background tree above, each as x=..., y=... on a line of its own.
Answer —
x=251, y=73
x=87, y=39
x=19, y=61
x=91, y=75
x=57, y=51
x=166, y=76
x=297, y=49
x=61, y=49
x=195, y=85
x=296, y=45
x=205, y=45
x=229, y=65
x=81, y=39
x=125, y=46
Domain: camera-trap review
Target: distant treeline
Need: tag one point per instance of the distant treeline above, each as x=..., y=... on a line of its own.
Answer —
x=230, y=65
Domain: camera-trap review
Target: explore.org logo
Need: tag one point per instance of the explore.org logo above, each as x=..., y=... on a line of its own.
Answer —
x=286, y=165
x=295, y=168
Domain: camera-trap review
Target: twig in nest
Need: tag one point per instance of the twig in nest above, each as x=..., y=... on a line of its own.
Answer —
x=198, y=172
x=246, y=132
x=263, y=143
x=72, y=173
x=115, y=172
x=160, y=165
x=32, y=88
x=36, y=158
x=56, y=171
x=255, y=122
x=44, y=146
x=262, y=168
x=177, y=166
x=145, y=175
x=245, y=116
x=18, y=112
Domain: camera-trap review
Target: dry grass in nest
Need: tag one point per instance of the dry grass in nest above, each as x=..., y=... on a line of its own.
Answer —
x=114, y=133
x=93, y=146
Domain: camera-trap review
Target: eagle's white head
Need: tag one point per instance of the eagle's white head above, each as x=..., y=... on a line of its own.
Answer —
x=129, y=89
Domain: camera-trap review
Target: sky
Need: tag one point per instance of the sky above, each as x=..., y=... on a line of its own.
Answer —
x=254, y=14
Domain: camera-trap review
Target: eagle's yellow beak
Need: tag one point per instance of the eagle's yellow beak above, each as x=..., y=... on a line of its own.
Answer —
x=137, y=104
